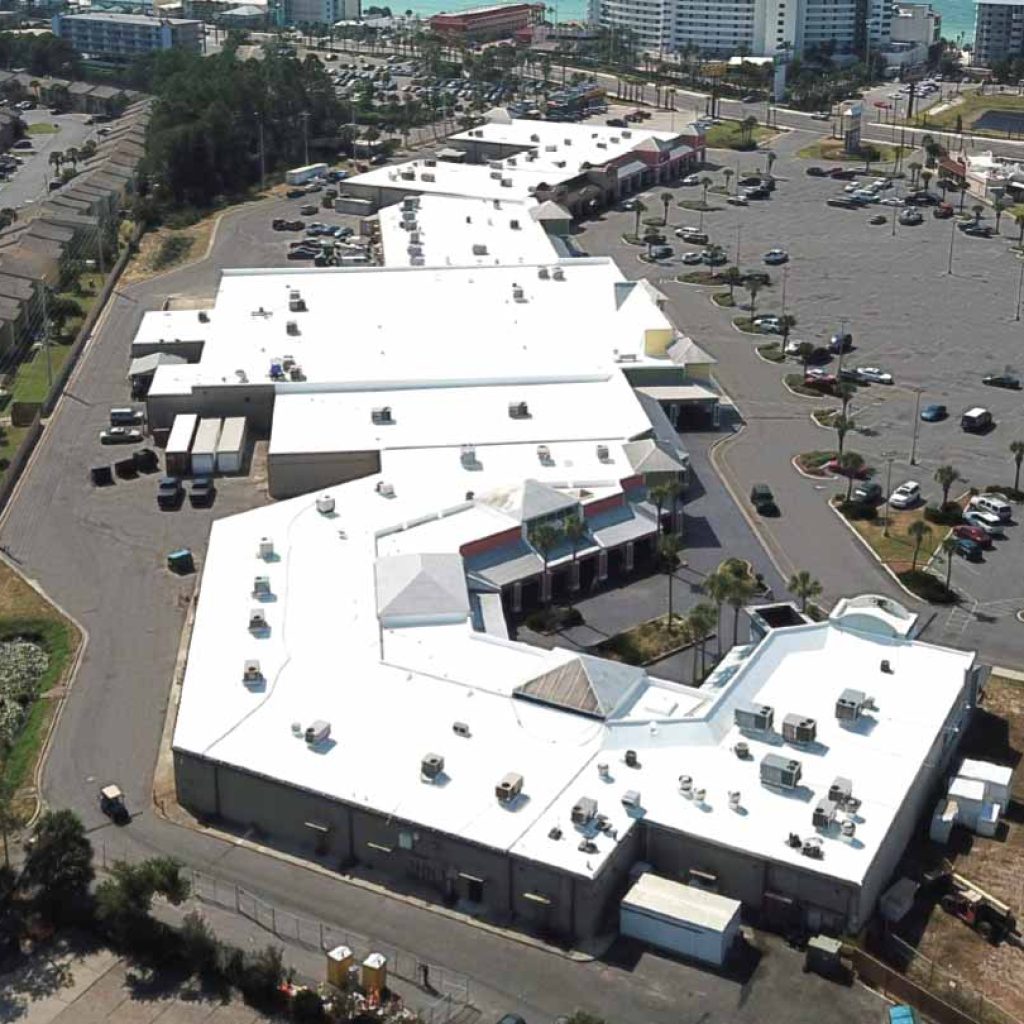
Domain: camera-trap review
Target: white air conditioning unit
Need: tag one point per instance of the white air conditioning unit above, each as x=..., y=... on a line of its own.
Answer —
x=266, y=550
x=257, y=620
x=251, y=673
x=325, y=504
x=318, y=732
x=385, y=490
x=261, y=586
x=602, y=452
x=631, y=799
x=292, y=328
x=544, y=454
x=467, y=455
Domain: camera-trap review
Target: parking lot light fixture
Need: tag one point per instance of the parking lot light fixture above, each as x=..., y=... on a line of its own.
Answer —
x=917, y=420
x=888, y=456
x=952, y=239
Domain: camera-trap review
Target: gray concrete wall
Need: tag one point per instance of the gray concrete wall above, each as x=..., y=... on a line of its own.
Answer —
x=253, y=401
x=291, y=474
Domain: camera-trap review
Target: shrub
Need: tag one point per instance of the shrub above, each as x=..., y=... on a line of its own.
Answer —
x=262, y=975
x=307, y=1007
x=200, y=949
x=1015, y=496
x=858, y=510
x=173, y=249
x=945, y=515
x=926, y=586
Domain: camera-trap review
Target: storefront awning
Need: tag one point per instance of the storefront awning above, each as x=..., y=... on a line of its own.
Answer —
x=631, y=169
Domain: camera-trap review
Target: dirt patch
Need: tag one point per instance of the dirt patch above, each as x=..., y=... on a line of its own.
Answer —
x=168, y=248
x=957, y=952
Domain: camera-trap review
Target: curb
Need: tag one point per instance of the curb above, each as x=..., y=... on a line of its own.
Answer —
x=765, y=359
x=1010, y=673
x=796, y=394
x=824, y=478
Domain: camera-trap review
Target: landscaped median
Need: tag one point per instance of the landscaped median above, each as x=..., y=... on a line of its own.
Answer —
x=772, y=352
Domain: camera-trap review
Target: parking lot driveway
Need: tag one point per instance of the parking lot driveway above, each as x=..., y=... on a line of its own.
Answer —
x=29, y=183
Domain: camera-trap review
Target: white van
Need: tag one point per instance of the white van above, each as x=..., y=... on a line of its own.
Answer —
x=994, y=504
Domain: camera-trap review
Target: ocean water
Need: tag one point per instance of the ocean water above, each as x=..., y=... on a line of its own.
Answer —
x=957, y=15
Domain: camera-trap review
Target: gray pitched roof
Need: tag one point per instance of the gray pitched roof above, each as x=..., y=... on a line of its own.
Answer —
x=585, y=686
x=648, y=456
x=421, y=586
x=540, y=500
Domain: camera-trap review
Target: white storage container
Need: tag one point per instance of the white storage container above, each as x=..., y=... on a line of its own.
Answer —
x=204, y=447
x=179, y=443
x=231, y=445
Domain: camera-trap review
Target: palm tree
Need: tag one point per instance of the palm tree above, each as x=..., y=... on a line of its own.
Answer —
x=915, y=169
x=1018, y=219
x=56, y=159
x=727, y=173
x=741, y=590
x=716, y=585
x=999, y=205
x=639, y=208
x=753, y=286
x=804, y=586
x=850, y=464
x=918, y=529
x=71, y=156
x=977, y=209
x=945, y=477
x=705, y=184
x=669, y=546
x=843, y=424
x=747, y=126
x=948, y=547
x=575, y=529
x=666, y=202
x=702, y=619
x=926, y=177
x=732, y=277
x=544, y=538
x=804, y=351
x=663, y=494
x=1017, y=450
x=845, y=392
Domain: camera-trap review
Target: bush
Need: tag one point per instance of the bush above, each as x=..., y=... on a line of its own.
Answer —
x=173, y=249
x=945, y=515
x=200, y=949
x=307, y=1007
x=549, y=620
x=262, y=975
x=927, y=587
x=858, y=510
x=1013, y=495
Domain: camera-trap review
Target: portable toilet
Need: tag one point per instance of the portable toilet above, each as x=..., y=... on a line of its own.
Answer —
x=375, y=973
x=339, y=961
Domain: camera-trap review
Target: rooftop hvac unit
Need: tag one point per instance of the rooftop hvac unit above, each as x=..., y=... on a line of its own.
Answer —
x=799, y=729
x=550, y=149
x=261, y=586
x=495, y=165
x=295, y=373
x=479, y=249
x=506, y=182
x=780, y=771
x=698, y=794
x=257, y=620
x=430, y=162
x=414, y=250
x=318, y=732
x=603, y=772
x=431, y=767
x=559, y=163
x=409, y=213
x=461, y=729
x=531, y=156
x=415, y=238
x=851, y=704
x=251, y=673
x=297, y=729
x=631, y=759
x=841, y=790
x=467, y=455
x=734, y=800
x=518, y=410
x=407, y=175
x=755, y=717
x=824, y=814
x=543, y=273
x=266, y=549
x=296, y=303
x=381, y=414
x=812, y=848
x=558, y=274
x=518, y=294
x=416, y=261
x=325, y=504
x=496, y=175
x=567, y=142
x=385, y=490
x=544, y=454
x=602, y=453
x=204, y=317
x=584, y=811
x=614, y=140
x=742, y=750
x=848, y=829
x=514, y=224
x=535, y=137
x=627, y=134
x=409, y=203
x=287, y=361
x=602, y=145
x=512, y=161
x=428, y=176
x=631, y=799
x=510, y=786
x=292, y=328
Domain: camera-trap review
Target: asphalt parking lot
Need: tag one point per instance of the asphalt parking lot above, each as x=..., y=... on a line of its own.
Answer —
x=937, y=333
x=29, y=183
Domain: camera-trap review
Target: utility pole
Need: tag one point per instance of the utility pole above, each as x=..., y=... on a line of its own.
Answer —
x=917, y=420
x=1020, y=287
x=785, y=277
x=739, y=233
x=263, y=159
x=305, y=136
x=46, y=337
x=888, y=491
x=952, y=238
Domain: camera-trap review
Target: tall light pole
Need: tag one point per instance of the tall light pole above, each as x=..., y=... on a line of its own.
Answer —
x=305, y=136
x=1020, y=287
x=917, y=420
x=263, y=158
x=739, y=234
x=888, y=490
x=785, y=277
x=952, y=237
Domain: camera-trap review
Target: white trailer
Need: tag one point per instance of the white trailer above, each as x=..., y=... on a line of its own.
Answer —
x=231, y=446
x=179, y=443
x=204, y=447
x=300, y=175
x=680, y=918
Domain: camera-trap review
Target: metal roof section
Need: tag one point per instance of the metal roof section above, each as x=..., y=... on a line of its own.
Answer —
x=649, y=456
x=585, y=686
x=423, y=588
x=684, y=351
x=674, y=900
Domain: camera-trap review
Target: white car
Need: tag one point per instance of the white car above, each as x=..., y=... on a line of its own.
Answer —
x=738, y=201
x=865, y=195
x=906, y=495
x=768, y=323
x=874, y=375
x=891, y=201
x=691, y=179
x=792, y=347
x=987, y=521
x=120, y=435
x=821, y=115
x=692, y=258
x=854, y=186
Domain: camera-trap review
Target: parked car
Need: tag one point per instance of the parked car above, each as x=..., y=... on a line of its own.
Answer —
x=835, y=466
x=968, y=549
x=692, y=259
x=763, y=500
x=976, y=420
x=843, y=203
x=202, y=491
x=906, y=495
x=891, y=201
x=295, y=193
x=756, y=192
x=821, y=115
x=714, y=257
x=169, y=492
x=816, y=172
x=993, y=503
x=774, y=257
x=1002, y=380
x=692, y=235
x=113, y=806
x=842, y=174
x=987, y=521
x=840, y=343
x=975, y=230
x=661, y=252
x=738, y=201
x=980, y=536
x=120, y=435
x=869, y=493
x=934, y=413
x=308, y=210
x=911, y=217
x=691, y=179
x=874, y=375
x=768, y=324
x=923, y=199
x=126, y=416
x=943, y=211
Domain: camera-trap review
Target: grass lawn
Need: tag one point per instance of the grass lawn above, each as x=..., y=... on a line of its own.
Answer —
x=24, y=612
x=897, y=550
x=969, y=109
x=723, y=299
x=795, y=382
x=729, y=135
x=646, y=642
x=811, y=462
x=772, y=352
x=832, y=149
x=825, y=417
x=32, y=381
x=698, y=205
x=42, y=128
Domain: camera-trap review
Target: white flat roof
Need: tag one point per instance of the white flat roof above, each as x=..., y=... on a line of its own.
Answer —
x=391, y=695
x=451, y=231
x=444, y=178
x=378, y=328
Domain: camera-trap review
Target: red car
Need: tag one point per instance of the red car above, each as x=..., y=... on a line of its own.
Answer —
x=975, y=533
x=861, y=474
x=822, y=382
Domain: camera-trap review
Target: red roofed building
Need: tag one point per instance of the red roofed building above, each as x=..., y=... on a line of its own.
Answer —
x=482, y=24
